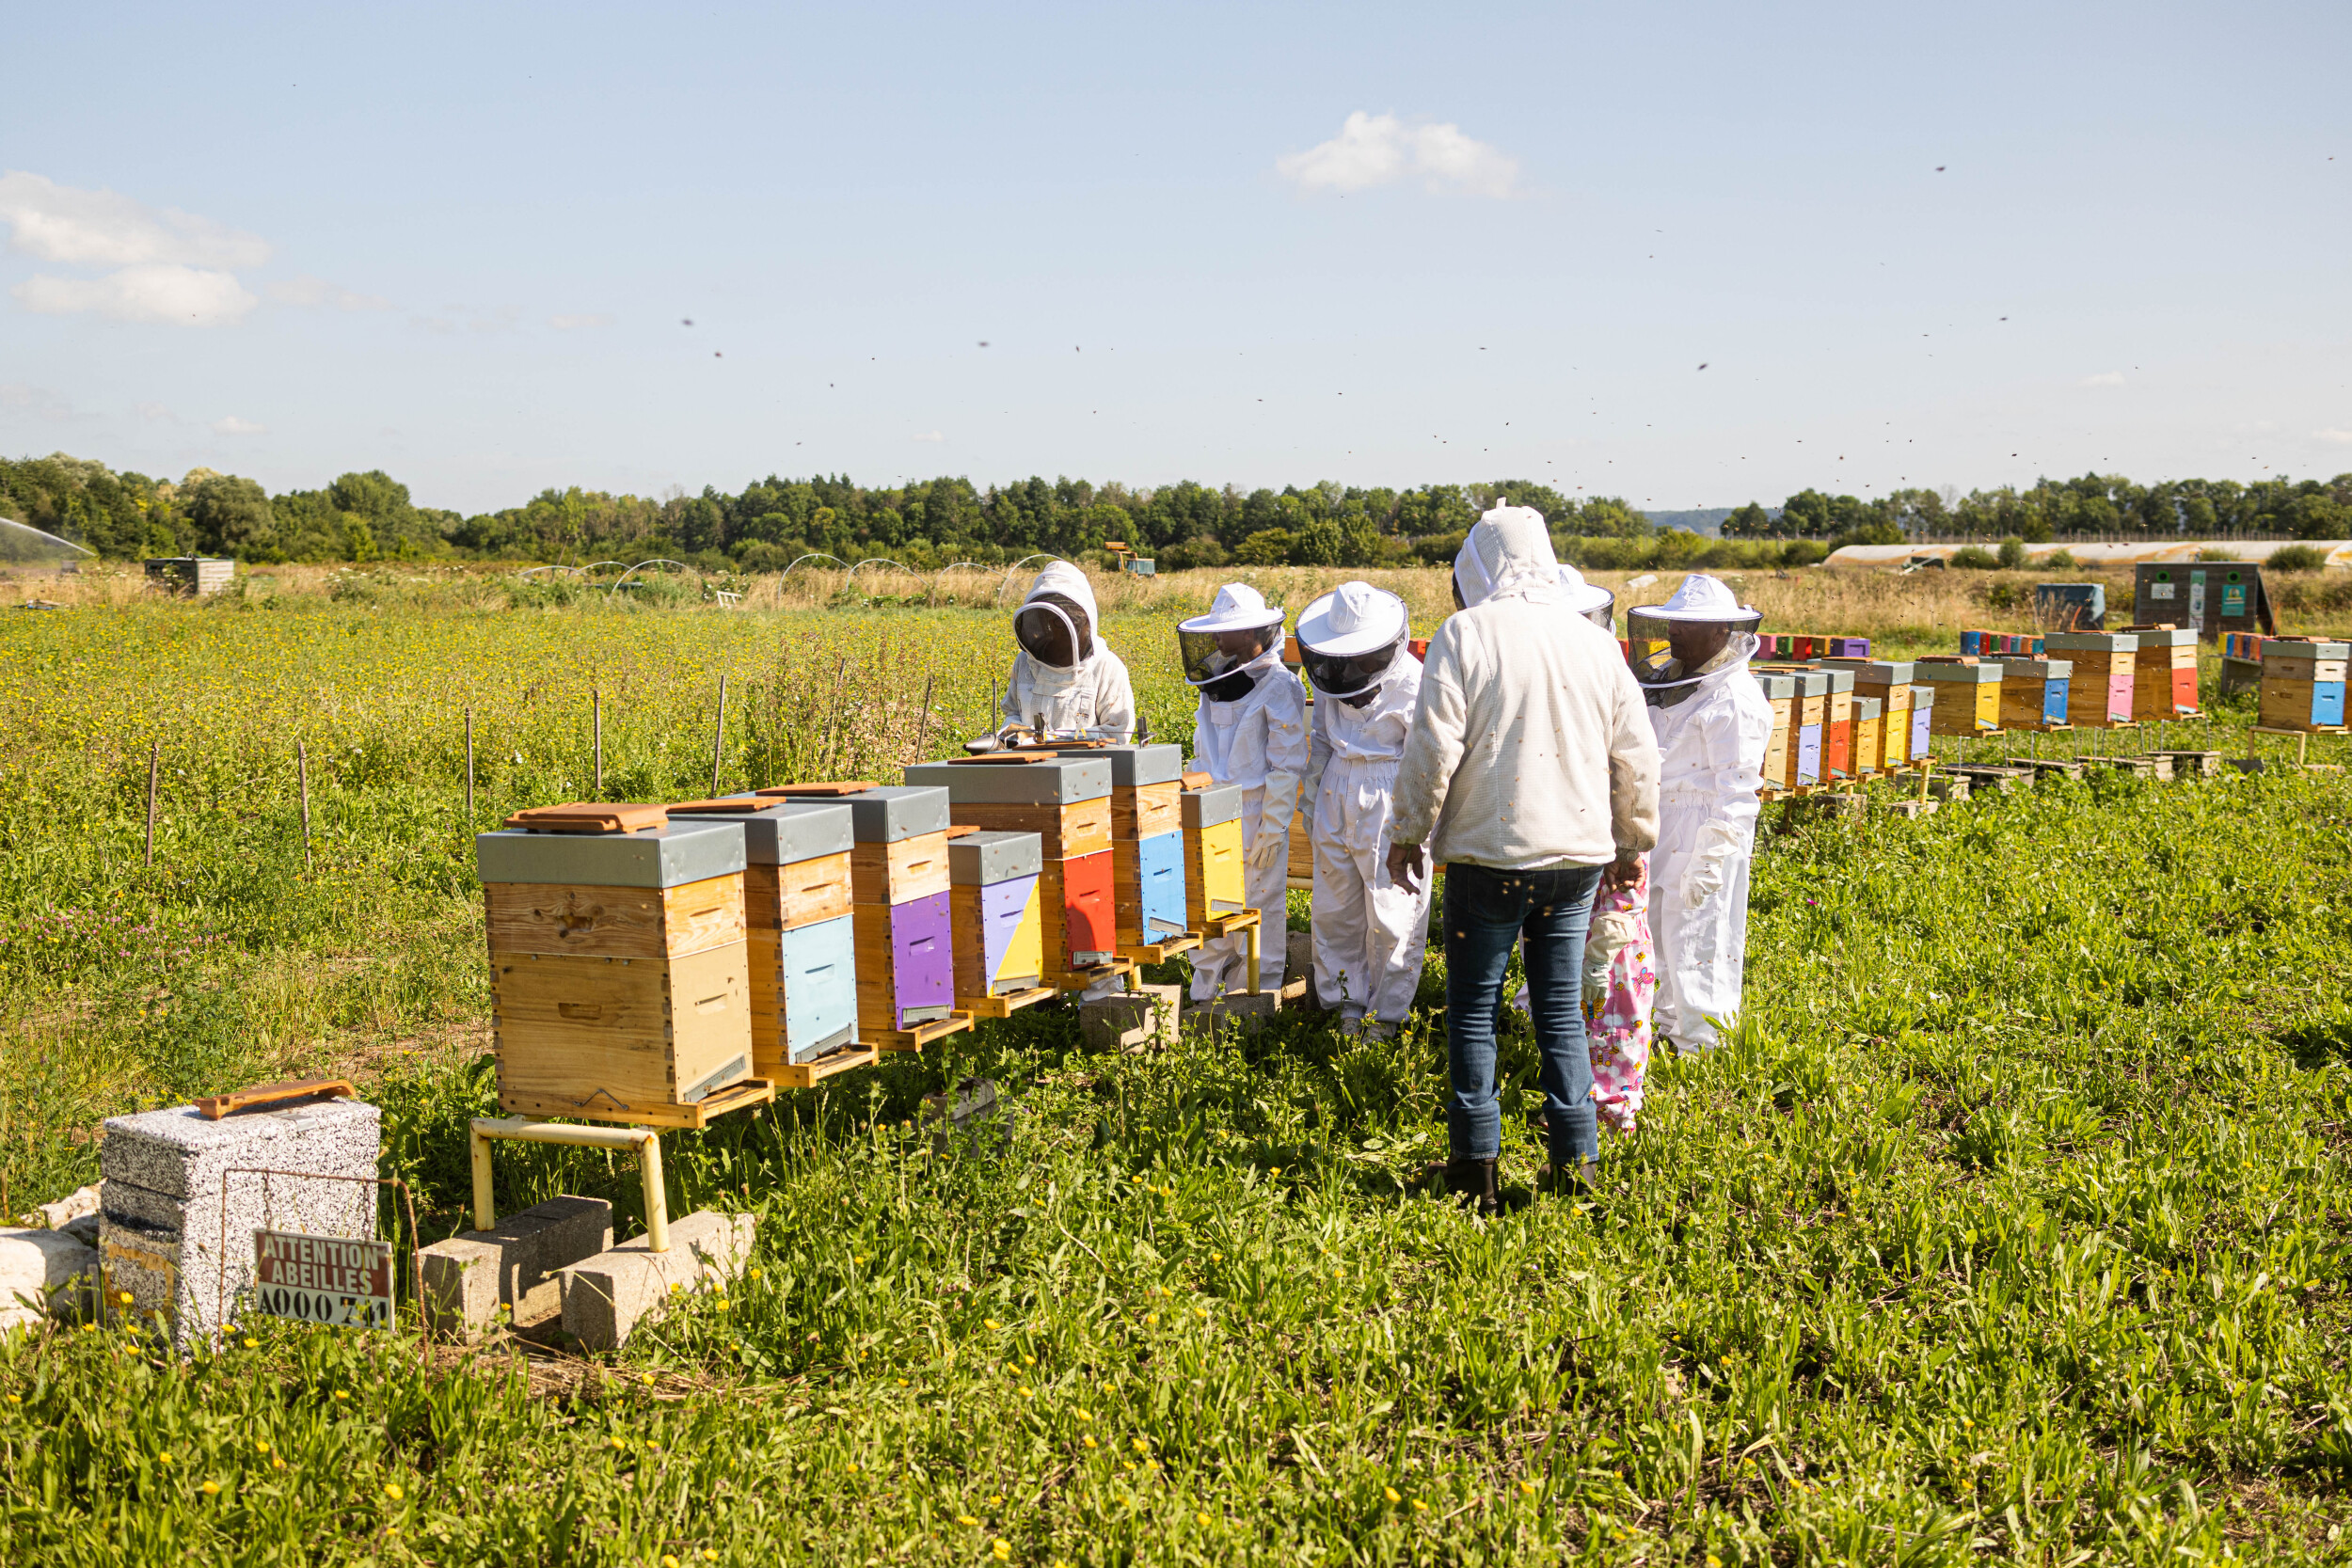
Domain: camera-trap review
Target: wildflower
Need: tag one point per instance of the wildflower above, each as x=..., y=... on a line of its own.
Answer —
x=210, y=1488
x=124, y=1297
x=1420, y=1506
x=1001, y=1550
x=253, y=1345
x=261, y=1445
x=343, y=1393
x=1150, y=1317
x=616, y=1443
x=391, y=1490
x=164, y=1458
x=1090, y=1442
x=1205, y=1520
x=710, y=1555
x=991, y=1322
x=1527, y=1487
x=1081, y=1414
x=966, y=1520
x=1141, y=1446
x=668, y=1561
x=755, y=1274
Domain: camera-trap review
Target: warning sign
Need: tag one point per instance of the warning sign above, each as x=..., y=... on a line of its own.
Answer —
x=323, y=1279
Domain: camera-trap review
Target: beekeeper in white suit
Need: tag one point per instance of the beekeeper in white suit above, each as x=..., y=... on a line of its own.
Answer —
x=1251, y=731
x=1065, y=682
x=1369, y=932
x=1712, y=723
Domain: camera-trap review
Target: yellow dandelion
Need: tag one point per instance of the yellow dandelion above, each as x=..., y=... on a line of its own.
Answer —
x=1391, y=1493
x=343, y=1393
x=1204, y=1520
x=1420, y=1506
x=1090, y=1442
x=1001, y=1550
x=391, y=1490
x=966, y=1520
x=668, y=1561
x=853, y=1467
x=253, y=1345
x=210, y=1488
x=755, y=1274
x=991, y=1322
x=124, y=1297
x=1141, y=1446
x=261, y=1445
x=164, y=1458
x=1081, y=1414
x=1527, y=1487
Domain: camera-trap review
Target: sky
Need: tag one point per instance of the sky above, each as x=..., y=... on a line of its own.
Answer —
x=1691, y=254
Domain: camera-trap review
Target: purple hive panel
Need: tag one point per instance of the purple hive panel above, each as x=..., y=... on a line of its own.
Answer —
x=1002, y=905
x=922, y=955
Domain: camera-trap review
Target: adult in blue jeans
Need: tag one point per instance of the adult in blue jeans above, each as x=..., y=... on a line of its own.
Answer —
x=1532, y=773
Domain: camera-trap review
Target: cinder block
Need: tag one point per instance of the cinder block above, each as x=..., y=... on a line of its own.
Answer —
x=1133, y=1020
x=1910, y=808
x=165, y=1234
x=43, y=1273
x=1946, y=788
x=513, y=1264
x=1235, y=1010
x=605, y=1296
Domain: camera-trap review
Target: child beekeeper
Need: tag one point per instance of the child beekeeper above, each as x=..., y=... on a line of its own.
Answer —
x=1369, y=932
x=1712, y=721
x=1065, y=683
x=1251, y=731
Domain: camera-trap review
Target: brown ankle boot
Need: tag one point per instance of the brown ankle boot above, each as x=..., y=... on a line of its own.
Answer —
x=1471, y=1181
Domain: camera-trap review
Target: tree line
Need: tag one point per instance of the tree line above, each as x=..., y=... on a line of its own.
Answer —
x=939, y=522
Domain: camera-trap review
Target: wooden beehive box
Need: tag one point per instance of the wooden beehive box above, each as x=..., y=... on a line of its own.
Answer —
x=901, y=926
x=1065, y=799
x=1889, y=681
x=1920, y=749
x=802, y=941
x=2100, y=694
x=1213, y=855
x=1810, y=704
x=1969, y=699
x=998, y=911
x=1780, y=691
x=2164, y=672
x=1870, y=748
x=1147, y=844
x=2303, y=683
x=2034, y=692
x=620, y=975
x=1837, y=727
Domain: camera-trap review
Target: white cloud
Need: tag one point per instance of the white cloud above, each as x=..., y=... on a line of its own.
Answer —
x=929, y=435
x=153, y=291
x=43, y=404
x=2104, y=378
x=304, y=290
x=58, y=223
x=156, y=413
x=2342, y=437
x=235, y=426
x=1381, y=149
x=572, y=323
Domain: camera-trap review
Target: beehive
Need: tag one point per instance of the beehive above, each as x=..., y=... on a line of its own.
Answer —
x=2164, y=672
x=620, y=976
x=1812, y=715
x=2034, y=692
x=1213, y=858
x=1147, y=844
x=2100, y=693
x=1889, y=681
x=797, y=895
x=1870, y=748
x=998, y=912
x=1970, y=703
x=899, y=914
x=1065, y=799
x=2303, y=683
x=1837, y=726
x=1780, y=691
x=1921, y=749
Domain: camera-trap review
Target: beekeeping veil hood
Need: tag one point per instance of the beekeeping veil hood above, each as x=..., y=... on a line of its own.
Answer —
x=1508, y=556
x=1238, y=609
x=1589, y=599
x=1034, y=622
x=1700, y=599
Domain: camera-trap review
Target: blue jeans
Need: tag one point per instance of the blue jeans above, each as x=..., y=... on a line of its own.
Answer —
x=1486, y=913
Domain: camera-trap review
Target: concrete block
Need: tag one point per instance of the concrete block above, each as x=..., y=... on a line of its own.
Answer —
x=1909, y=808
x=43, y=1273
x=513, y=1264
x=81, y=1203
x=605, y=1296
x=1948, y=789
x=1236, y=1011
x=1136, y=1021
x=164, y=1234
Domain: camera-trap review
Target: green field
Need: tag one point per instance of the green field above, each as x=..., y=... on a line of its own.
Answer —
x=2011, y=1226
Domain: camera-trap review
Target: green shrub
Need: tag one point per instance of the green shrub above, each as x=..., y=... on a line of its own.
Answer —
x=1976, y=558
x=2012, y=556
x=2062, y=560
x=2296, y=557
x=1268, y=547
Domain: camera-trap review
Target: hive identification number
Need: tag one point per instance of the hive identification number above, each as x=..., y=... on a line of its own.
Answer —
x=323, y=1279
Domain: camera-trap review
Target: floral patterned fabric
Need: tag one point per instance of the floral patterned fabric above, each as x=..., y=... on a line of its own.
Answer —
x=1620, y=983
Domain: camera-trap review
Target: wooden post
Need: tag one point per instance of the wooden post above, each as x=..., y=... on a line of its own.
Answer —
x=923, y=725
x=598, y=698
x=719, y=737
x=470, y=816
x=155, y=766
x=302, y=772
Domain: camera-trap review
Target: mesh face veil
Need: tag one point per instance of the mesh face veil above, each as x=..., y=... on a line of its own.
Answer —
x=1054, y=632
x=1211, y=656
x=1666, y=681
x=1353, y=675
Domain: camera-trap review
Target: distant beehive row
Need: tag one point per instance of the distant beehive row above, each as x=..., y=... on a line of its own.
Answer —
x=657, y=964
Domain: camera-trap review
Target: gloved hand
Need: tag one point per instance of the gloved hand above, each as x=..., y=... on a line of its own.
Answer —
x=1270, y=850
x=1711, y=866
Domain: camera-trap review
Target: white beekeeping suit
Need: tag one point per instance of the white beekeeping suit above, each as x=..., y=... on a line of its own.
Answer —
x=1712, y=724
x=1064, y=680
x=1369, y=932
x=1251, y=731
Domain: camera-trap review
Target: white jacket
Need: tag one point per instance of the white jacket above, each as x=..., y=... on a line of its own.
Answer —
x=1366, y=743
x=1711, y=746
x=1531, y=746
x=1261, y=737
